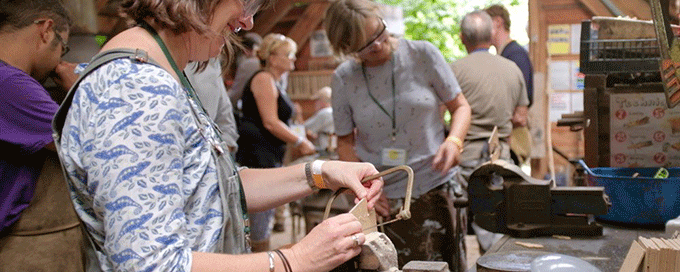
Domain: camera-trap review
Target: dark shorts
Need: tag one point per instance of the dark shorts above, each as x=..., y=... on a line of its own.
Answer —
x=436, y=230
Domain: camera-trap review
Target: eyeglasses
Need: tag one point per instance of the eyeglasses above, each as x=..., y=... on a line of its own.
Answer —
x=64, y=46
x=380, y=38
x=250, y=7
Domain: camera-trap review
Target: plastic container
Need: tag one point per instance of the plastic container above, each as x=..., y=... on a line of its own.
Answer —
x=640, y=200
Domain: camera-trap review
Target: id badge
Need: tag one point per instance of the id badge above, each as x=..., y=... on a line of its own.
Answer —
x=393, y=156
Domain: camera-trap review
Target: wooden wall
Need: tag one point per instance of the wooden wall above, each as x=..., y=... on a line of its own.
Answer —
x=543, y=13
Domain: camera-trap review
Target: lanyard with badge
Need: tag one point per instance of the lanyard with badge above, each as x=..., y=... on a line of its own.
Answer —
x=191, y=93
x=390, y=156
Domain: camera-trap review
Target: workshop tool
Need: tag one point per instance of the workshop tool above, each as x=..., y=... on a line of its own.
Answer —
x=505, y=200
x=378, y=252
x=669, y=49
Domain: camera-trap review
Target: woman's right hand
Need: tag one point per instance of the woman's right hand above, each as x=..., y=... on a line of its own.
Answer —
x=306, y=148
x=329, y=244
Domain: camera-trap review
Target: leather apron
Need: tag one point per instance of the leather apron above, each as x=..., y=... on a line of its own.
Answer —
x=47, y=236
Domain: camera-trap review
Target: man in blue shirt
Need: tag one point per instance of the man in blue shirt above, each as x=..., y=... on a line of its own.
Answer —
x=509, y=48
x=521, y=142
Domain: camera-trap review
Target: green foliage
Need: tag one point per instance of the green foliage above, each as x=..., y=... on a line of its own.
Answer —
x=437, y=21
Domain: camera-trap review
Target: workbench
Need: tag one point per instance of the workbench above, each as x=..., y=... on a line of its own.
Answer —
x=605, y=252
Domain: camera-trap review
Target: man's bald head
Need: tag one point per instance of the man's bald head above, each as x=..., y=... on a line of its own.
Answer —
x=476, y=28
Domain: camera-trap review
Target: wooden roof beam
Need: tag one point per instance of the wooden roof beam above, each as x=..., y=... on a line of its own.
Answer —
x=596, y=7
x=308, y=22
x=635, y=8
x=268, y=18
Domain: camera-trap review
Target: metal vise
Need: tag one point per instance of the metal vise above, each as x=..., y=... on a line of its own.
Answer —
x=505, y=200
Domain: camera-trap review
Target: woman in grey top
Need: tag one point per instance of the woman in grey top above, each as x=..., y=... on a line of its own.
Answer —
x=386, y=111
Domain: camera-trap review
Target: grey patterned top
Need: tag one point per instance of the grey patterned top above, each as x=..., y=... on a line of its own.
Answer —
x=423, y=81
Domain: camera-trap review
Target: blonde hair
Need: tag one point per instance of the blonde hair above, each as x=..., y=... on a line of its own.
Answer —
x=344, y=23
x=273, y=42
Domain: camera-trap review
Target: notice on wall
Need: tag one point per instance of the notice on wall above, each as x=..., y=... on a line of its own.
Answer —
x=576, y=39
x=644, y=133
x=560, y=75
x=559, y=39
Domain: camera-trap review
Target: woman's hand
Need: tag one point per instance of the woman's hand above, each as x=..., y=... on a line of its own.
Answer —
x=306, y=148
x=338, y=174
x=331, y=243
x=447, y=156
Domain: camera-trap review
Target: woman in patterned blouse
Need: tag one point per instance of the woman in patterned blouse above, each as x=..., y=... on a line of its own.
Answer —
x=148, y=173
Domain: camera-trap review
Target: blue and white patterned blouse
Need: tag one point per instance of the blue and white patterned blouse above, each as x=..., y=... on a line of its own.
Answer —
x=142, y=176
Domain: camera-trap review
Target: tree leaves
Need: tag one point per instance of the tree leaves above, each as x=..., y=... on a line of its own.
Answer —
x=438, y=21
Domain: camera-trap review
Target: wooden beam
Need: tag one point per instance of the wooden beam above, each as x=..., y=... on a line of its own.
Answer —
x=596, y=7
x=267, y=19
x=635, y=8
x=308, y=22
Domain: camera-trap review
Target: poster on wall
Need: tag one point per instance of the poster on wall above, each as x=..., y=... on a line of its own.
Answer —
x=559, y=39
x=643, y=132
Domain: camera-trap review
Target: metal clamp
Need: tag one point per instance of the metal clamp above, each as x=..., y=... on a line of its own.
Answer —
x=404, y=212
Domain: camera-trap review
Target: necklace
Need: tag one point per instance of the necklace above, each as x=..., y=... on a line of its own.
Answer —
x=393, y=116
x=192, y=95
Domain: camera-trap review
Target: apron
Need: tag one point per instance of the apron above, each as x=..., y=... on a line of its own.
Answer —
x=235, y=227
x=47, y=236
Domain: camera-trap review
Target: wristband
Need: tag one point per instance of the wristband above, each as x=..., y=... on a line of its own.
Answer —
x=456, y=141
x=317, y=176
x=271, y=261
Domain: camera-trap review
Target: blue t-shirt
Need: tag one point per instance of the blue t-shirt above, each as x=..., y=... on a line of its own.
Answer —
x=26, y=111
x=516, y=53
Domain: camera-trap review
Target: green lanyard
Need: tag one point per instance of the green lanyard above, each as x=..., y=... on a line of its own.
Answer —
x=192, y=95
x=394, y=98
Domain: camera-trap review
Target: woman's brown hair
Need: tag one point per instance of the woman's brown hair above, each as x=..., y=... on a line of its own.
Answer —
x=344, y=23
x=180, y=16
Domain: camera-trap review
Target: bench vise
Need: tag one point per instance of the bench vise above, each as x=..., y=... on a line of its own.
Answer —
x=505, y=200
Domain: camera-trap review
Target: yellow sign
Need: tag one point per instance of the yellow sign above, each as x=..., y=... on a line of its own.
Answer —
x=559, y=39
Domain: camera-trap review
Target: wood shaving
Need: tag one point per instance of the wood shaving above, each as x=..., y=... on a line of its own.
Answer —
x=529, y=245
x=595, y=258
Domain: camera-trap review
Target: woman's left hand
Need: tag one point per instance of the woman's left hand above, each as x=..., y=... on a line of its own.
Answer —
x=447, y=156
x=338, y=174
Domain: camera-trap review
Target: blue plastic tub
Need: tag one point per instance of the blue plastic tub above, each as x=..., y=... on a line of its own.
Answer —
x=642, y=200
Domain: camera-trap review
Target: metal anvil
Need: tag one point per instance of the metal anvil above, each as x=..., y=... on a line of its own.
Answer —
x=505, y=200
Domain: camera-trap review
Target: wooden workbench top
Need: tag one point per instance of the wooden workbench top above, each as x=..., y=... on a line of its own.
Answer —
x=605, y=252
